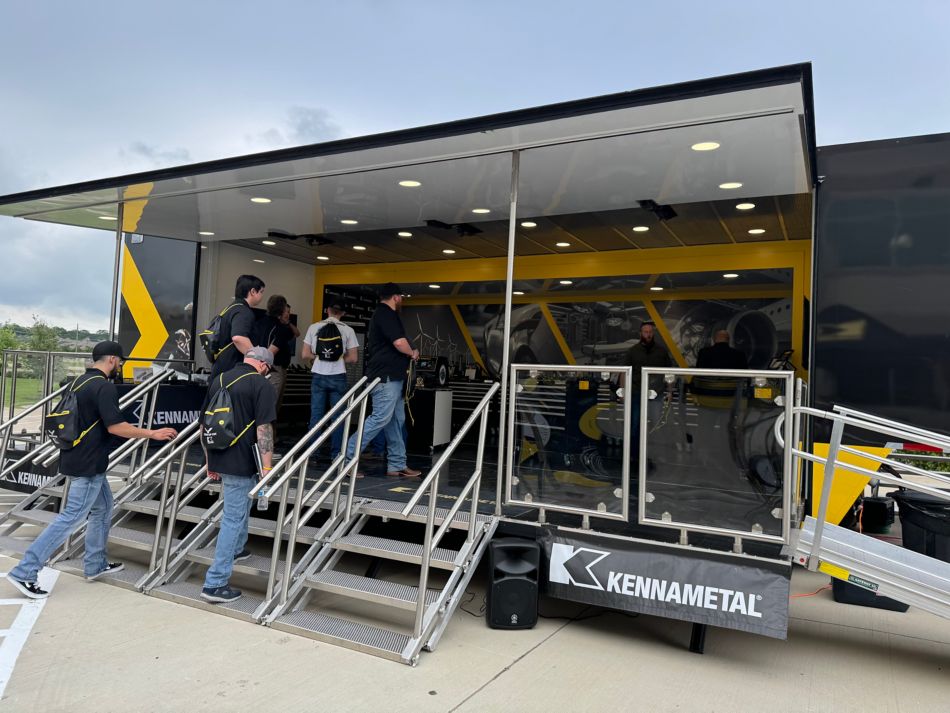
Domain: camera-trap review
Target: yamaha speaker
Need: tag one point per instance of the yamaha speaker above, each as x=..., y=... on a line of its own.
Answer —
x=513, y=583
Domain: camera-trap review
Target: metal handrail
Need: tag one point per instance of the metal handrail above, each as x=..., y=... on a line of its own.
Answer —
x=431, y=484
x=923, y=433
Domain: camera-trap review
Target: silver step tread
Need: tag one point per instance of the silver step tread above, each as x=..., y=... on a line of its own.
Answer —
x=380, y=591
x=126, y=579
x=136, y=539
x=344, y=632
x=189, y=513
x=190, y=593
x=36, y=516
x=10, y=545
x=395, y=550
x=389, y=508
x=255, y=564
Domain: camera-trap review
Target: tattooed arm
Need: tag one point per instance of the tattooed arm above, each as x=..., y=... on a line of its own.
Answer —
x=265, y=442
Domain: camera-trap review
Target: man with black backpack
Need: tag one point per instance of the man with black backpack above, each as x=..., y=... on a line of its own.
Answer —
x=237, y=416
x=232, y=330
x=89, y=413
x=331, y=345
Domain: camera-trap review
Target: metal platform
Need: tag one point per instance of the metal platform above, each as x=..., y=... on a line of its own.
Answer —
x=343, y=632
x=190, y=594
x=380, y=591
x=391, y=509
x=395, y=550
x=127, y=578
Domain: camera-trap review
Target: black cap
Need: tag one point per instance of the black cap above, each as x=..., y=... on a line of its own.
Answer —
x=388, y=290
x=337, y=305
x=104, y=349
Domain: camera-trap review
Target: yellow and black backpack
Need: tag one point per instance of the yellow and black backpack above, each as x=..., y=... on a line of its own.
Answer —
x=62, y=423
x=211, y=338
x=218, y=419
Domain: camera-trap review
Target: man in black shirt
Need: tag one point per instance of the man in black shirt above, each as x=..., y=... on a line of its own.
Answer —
x=86, y=464
x=389, y=355
x=253, y=405
x=237, y=324
x=720, y=355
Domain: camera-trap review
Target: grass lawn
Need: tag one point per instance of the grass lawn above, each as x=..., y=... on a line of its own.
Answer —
x=28, y=391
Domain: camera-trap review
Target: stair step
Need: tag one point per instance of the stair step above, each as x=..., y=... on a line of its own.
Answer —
x=13, y=545
x=136, y=539
x=343, y=632
x=126, y=579
x=189, y=513
x=34, y=516
x=391, y=509
x=256, y=565
x=395, y=550
x=379, y=591
x=190, y=593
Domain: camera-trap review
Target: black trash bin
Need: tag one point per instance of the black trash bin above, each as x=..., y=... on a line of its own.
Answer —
x=925, y=523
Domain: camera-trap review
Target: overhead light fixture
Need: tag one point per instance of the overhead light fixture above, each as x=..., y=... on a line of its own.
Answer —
x=640, y=228
x=107, y=217
x=756, y=231
x=410, y=184
x=349, y=221
x=730, y=275
x=268, y=242
x=359, y=247
x=434, y=287
x=517, y=292
x=448, y=251
x=206, y=233
x=563, y=245
x=566, y=282
x=705, y=146
x=260, y=200
x=404, y=234
x=258, y=260
x=481, y=211
x=745, y=206
x=322, y=257
x=204, y=247
x=528, y=224
x=730, y=185
x=656, y=288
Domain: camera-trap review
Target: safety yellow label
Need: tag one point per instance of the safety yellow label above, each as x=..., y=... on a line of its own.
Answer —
x=764, y=393
x=834, y=571
x=583, y=385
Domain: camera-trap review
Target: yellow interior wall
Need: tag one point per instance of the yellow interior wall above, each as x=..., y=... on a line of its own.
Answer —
x=847, y=485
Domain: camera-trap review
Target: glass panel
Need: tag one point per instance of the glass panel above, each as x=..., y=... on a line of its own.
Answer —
x=709, y=457
x=569, y=450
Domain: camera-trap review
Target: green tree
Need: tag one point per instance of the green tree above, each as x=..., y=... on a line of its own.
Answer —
x=8, y=338
x=42, y=337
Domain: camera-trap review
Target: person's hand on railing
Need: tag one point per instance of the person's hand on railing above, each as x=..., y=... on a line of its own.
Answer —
x=212, y=475
x=163, y=434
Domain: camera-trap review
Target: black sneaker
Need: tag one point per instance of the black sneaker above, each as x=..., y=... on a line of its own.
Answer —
x=111, y=568
x=28, y=589
x=219, y=595
x=243, y=555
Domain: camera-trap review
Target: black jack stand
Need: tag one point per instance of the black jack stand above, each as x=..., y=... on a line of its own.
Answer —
x=697, y=639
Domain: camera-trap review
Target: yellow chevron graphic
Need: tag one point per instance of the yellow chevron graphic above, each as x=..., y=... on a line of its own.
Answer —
x=132, y=213
x=152, y=332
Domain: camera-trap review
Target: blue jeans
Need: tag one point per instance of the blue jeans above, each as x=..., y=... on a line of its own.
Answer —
x=233, y=533
x=321, y=387
x=88, y=497
x=389, y=415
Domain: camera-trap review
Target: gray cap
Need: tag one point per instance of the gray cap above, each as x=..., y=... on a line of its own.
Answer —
x=261, y=354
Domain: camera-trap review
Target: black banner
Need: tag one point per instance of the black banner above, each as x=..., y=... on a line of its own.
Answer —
x=27, y=478
x=178, y=405
x=730, y=592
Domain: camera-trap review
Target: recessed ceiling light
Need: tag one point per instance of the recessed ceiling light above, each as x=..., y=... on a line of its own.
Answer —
x=730, y=275
x=260, y=200
x=204, y=247
x=205, y=232
x=268, y=242
x=322, y=257
x=563, y=245
x=258, y=260
x=517, y=292
x=107, y=217
x=566, y=282
x=404, y=234
x=745, y=206
x=410, y=184
x=756, y=231
x=359, y=247
x=448, y=252
x=349, y=221
x=730, y=185
x=656, y=289
x=640, y=228
x=529, y=224
x=481, y=210
x=705, y=146
x=434, y=287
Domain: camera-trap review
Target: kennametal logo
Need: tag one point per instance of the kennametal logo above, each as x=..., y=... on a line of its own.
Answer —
x=574, y=566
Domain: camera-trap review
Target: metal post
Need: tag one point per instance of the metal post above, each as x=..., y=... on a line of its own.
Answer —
x=788, y=463
x=3, y=382
x=356, y=458
x=278, y=536
x=115, y=269
x=506, y=344
x=159, y=515
x=479, y=457
x=16, y=363
x=426, y=557
x=836, y=433
x=292, y=534
x=173, y=515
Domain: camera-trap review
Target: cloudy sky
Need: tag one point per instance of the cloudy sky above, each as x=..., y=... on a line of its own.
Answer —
x=95, y=89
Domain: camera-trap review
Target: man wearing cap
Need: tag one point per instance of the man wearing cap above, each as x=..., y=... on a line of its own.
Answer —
x=389, y=355
x=329, y=377
x=85, y=464
x=254, y=409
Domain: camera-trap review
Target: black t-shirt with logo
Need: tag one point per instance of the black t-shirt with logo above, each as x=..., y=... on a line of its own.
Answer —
x=236, y=322
x=273, y=332
x=98, y=401
x=254, y=404
x=385, y=361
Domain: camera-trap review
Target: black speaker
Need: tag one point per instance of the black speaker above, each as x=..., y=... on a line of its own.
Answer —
x=513, y=565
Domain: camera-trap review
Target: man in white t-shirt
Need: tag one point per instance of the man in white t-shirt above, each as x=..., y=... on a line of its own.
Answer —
x=330, y=358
